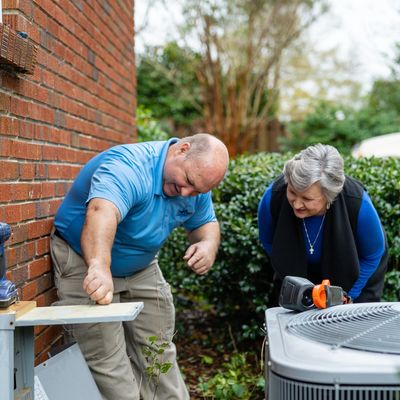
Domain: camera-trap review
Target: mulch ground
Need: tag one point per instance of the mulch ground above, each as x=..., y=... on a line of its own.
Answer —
x=201, y=334
x=197, y=337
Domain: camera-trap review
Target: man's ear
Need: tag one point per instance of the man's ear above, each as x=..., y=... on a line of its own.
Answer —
x=184, y=148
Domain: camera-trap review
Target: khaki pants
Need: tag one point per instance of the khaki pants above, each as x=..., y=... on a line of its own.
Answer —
x=113, y=350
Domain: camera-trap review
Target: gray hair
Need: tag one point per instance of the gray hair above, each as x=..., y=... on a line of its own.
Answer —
x=319, y=163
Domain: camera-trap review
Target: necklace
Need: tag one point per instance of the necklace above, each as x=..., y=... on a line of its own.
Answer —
x=316, y=237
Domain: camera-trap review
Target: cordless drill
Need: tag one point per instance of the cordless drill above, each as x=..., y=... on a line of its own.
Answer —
x=8, y=291
x=299, y=294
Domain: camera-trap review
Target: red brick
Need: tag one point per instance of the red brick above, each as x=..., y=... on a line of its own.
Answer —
x=19, y=275
x=39, y=228
x=19, y=234
x=24, y=6
x=45, y=282
x=62, y=171
x=39, y=328
x=9, y=169
x=44, y=355
x=25, y=252
x=29, y=290
x=8, y=126
x=5, y=102
x=15, y=213
x=47, y=298
x=35, y=287
x=27, y=170
x=46, y=337
x=20, y=149
x=19, y=254
x=17, y=191
x=5, y=191
x=42, y=246
x=11, y=258
x=39, y=267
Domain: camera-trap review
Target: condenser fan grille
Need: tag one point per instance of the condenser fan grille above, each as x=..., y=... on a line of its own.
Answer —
x=371, y=327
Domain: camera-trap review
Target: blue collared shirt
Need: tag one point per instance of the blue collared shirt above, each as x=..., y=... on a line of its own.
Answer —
x=131, y=177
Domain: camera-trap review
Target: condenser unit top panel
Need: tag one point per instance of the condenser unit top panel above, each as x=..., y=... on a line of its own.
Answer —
x=363, y=327
x=349, y=344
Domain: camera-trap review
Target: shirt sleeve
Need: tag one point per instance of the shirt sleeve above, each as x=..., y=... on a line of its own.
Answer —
x=115, y=182
x=370, y=242
x=204, y=212
x=265, y=221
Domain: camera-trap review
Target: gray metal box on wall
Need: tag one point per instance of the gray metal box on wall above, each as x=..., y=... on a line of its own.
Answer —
x=340, y=353
x=65, y=376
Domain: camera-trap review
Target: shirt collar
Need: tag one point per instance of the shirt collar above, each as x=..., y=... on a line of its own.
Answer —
x=159, y=170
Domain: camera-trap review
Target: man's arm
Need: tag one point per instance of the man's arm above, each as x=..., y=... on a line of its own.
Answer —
x=204, y=243
x=97, y=238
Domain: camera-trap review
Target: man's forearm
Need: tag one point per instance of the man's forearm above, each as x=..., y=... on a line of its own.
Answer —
x=96, y=241
x=209, y=232
x=98, y=232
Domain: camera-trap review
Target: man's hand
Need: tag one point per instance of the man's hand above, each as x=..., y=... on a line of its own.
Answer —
x=200, y=257
x=98, y=284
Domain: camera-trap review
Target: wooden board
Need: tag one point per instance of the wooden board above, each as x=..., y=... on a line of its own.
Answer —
x=19, y=308
x=59, y=315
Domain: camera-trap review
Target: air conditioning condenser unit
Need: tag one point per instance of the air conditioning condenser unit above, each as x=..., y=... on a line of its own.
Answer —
x=346, y=352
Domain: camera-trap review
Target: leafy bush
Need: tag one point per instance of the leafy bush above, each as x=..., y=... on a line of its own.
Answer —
x=392, y=286
x=381, y=177
x=235, y=381
x=239, y=285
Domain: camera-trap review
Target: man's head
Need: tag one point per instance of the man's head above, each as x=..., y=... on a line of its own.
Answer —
x=195, y=164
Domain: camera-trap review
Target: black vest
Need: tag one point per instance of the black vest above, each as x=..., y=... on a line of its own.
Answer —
x=339, y=258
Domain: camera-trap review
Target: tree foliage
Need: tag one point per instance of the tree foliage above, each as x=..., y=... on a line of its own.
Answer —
x=167, y=84
x=385, y=96
x=147, y=127
x=309, y=74
x=340, y=126
x=329, y=123
x=241, y=47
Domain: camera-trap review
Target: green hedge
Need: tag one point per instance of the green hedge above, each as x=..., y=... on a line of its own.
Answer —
x=239, y=285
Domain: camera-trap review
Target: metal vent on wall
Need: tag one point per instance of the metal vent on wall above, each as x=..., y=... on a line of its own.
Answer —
x=374, y=327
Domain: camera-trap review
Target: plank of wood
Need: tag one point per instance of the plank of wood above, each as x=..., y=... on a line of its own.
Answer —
x=59, y=315
x=19, y=308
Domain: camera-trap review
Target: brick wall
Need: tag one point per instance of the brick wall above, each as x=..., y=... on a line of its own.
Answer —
x=79, y=101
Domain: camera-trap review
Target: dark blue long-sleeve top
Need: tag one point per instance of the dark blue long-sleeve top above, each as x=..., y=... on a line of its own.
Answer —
x=370, y=239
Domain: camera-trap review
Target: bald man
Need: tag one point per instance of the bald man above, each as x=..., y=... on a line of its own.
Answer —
x=122, y=207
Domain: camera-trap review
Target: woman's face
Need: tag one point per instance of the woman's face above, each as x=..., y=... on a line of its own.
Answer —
x=308, y=203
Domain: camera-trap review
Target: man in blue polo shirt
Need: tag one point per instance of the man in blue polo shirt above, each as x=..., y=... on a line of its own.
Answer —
x=118, y=213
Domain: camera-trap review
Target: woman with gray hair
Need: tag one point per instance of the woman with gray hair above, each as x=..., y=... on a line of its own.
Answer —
x=315, y=222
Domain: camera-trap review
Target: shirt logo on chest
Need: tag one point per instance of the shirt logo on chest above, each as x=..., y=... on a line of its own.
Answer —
x=184, y=213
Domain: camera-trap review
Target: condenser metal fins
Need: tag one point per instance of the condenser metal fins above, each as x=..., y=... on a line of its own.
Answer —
x=369, y=328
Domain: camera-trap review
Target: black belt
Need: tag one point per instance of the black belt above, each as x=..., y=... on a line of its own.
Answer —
x=58, y=234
